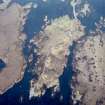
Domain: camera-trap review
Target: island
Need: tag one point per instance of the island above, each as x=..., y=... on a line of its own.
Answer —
x=53, y=45
x=12, y=60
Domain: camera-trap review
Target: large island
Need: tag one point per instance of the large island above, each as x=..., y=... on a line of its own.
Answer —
x=53, y=49
x=11, y=40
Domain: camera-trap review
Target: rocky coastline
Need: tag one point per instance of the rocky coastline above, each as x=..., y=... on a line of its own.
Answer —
x=12, y=20
x=53, y=49
x=88, y=66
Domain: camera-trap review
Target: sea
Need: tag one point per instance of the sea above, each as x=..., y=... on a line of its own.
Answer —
x=19, y=93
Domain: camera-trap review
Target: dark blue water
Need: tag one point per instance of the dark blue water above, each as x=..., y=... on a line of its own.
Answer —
x=53, y=9
x=97, y=10
x=2, y=65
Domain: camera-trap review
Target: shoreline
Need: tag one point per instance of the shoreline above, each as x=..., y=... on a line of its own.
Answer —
x=53, y=56
x=88, y=67
x=14, y=58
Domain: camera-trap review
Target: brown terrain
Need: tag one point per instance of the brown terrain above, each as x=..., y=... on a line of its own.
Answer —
x=89, y=70
x=53, y=48
x=11, y=39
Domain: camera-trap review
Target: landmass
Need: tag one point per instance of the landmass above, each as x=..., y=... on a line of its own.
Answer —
x=53, y=49
x=88, y=84
x=12, y=19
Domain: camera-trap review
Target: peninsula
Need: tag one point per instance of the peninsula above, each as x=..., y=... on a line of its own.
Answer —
x=11, y=40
